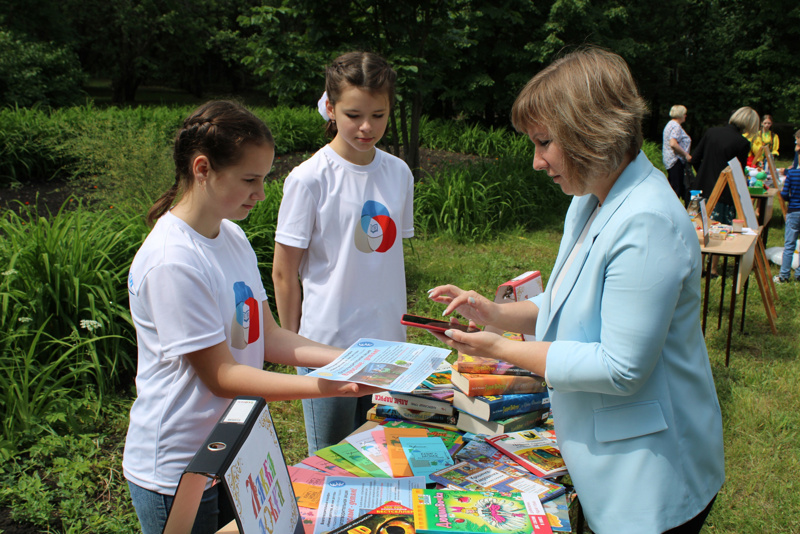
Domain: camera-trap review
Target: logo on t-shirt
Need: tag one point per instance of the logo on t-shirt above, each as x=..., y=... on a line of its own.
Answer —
x=245, y=327
x=377, y=231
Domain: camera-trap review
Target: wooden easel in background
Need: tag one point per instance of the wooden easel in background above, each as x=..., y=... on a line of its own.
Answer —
x=742, y=201
x=773, y=171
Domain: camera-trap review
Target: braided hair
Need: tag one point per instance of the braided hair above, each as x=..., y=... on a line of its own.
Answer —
x=219, y=130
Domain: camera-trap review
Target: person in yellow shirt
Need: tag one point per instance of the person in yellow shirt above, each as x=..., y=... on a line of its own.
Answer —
x=763, y=140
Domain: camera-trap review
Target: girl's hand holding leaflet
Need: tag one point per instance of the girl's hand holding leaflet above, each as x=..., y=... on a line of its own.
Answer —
x=331, y=388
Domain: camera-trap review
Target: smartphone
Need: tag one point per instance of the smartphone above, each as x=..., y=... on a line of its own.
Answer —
x=436, y=325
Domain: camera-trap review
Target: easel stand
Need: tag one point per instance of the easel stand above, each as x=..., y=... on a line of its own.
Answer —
x=765, y=285
x=775, y=180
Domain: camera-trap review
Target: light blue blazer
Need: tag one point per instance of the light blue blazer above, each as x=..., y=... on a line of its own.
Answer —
x=636, y=413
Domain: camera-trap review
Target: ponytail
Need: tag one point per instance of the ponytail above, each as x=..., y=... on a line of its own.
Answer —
x=217, y=129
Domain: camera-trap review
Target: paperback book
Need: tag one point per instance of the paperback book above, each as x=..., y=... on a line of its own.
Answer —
x=390, y=518
x=452, y=438
x=494, y=407
x=487, y=366
x=535, y=453
x=483, y=384
x=328, y=454
x=345, y=498
x=523, y=421
x=425, y=455
x=409, y=414
x=481, y=453
x=473, y=477
x=438, y=511
x=557, y=511
x=372, y=416
x=415, y=402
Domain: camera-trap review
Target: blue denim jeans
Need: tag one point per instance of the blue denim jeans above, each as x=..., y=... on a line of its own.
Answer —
x=153, y=508
x=328, y=421
x=791, y=233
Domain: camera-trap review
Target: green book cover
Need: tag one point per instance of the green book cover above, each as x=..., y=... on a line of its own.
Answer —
x=337, y=460
x=355, y=457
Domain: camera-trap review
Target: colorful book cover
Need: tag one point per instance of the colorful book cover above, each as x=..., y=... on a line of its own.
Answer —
x=317, y=462
x=372, y=416
x=482, y=384
x=494, y=407
x=365, y=443
x=398, y=412
x=380, y=440
x=425, y=455
x=355, y=457
x=397, y=457
x=391, y=518
x=345, y=498
x=487, y=366
x=328, y=454
x=309, y=517
x=438, y=380
x=473, y=511
x=538, y=455
x=523, y=421
x=473, y=477
x=482, y=453
x=557, y=511
x=307, y=485
x=452, y=438
x=415, y=402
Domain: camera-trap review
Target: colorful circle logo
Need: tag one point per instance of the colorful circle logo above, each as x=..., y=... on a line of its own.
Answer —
x=377, y=231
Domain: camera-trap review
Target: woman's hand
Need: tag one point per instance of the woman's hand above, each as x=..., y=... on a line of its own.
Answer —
x=485, y=344
x=469, y=304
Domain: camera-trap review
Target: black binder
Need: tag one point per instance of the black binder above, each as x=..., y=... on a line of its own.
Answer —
x=213, y=460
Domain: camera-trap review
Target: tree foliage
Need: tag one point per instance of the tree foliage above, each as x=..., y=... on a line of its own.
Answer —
x=463, y=59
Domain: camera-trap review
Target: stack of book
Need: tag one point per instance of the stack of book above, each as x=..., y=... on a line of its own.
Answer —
x=493, y=397
x=430, y=404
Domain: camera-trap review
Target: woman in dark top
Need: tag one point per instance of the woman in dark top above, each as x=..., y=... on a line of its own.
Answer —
x=717, y=147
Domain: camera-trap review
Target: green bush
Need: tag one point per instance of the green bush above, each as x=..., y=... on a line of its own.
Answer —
x=38, y=73
x=69, y=271
x=473, y=203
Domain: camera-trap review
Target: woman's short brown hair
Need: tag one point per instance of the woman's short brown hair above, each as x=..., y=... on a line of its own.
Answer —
x=589, y=104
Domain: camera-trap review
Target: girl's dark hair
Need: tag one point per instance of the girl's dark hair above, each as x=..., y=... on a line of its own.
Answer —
x=219, y=130
x=364, y=70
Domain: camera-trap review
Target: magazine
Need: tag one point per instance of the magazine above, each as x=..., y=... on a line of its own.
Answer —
x=391, y=365
x=346, y=498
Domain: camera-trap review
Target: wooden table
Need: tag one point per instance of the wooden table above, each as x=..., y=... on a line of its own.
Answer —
x=736, y=247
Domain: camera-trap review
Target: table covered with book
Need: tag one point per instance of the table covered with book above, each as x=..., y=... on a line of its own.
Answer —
x=472, y=449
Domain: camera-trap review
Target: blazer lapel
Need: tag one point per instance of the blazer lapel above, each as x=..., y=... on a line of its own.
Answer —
x=633, y=174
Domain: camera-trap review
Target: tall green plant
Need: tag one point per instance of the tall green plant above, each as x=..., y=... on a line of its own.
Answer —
x=69, y=270
x=471, y=203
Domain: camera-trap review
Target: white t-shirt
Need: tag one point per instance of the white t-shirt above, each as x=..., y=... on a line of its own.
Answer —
x=351, y=220
x=187, y=293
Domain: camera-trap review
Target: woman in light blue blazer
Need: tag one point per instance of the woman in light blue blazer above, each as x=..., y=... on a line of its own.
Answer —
x=618, y=327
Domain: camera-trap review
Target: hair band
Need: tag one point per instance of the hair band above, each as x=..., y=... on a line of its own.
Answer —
x=322, y=106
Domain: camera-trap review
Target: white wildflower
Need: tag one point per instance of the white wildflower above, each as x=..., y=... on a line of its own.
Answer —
x=24, y=320
x=90, y=324
x=9, y=272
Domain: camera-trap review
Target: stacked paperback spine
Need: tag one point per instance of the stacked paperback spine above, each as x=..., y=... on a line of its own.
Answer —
x=493, y=397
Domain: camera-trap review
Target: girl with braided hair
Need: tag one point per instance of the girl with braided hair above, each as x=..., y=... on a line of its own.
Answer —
x=203, y=325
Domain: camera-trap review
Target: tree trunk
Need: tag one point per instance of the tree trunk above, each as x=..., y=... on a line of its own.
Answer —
x=412, y=158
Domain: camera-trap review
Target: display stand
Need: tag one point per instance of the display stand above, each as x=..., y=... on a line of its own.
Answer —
x=773, y=171
x=243, y=453
x=733, y=177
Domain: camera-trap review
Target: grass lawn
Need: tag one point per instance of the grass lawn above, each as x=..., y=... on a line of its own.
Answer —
x=758, y=392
